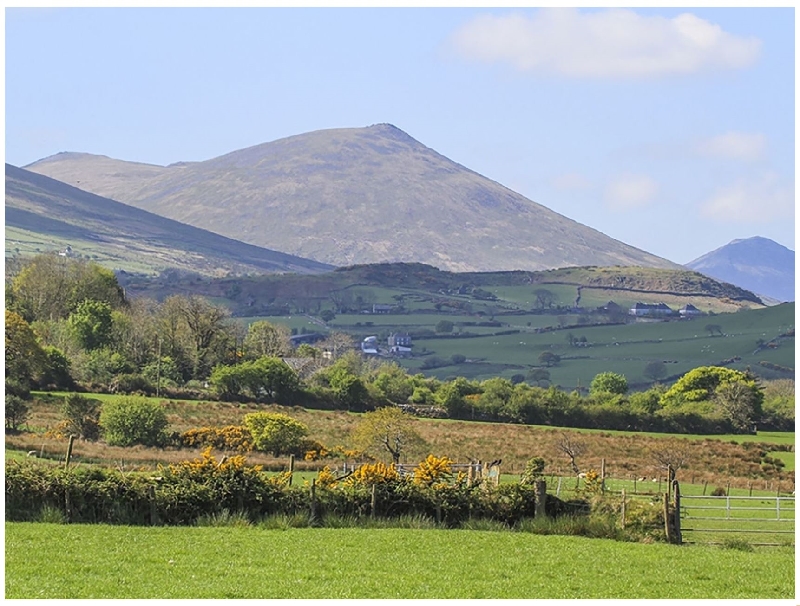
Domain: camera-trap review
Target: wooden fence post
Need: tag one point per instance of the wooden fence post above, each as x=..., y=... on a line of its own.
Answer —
x=541, y=498
x=151, y=493
x=558, y=488
x=705, y=484
x=313, y=513
x=291, y=468
x=677, y=490
x=603, y=475
x=667, y=530
x=69, y=452
x=67, y=506
x=622, y=512
x=372, y=502
x=634, y=484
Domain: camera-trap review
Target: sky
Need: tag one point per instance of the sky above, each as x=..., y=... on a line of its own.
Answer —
x=669, y=129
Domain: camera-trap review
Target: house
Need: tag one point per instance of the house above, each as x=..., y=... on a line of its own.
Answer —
x=689, y=311
x=400, y=351
x=399, y=339
x=370, y=346
x=651, y=310
x=380, y=308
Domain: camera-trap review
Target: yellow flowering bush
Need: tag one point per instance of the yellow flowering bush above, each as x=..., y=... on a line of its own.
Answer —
x=326, y=478
x=593, y=482
x=374, y=473
x=207, y=466
x=234, y=438
x=433, y=470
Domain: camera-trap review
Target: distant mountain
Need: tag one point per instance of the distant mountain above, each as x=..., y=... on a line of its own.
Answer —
x=756, y=264
x=42, y=213
x=354, y=196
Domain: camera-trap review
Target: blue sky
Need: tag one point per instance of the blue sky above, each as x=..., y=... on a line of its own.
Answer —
x=669, y=129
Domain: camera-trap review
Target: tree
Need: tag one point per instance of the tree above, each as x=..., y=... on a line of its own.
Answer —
x=326, y=315
x=573, y=449
x=713, y=328
x=275, y=432
x=24, y=358
x=540, y=376
x=674, y=456
x=91, y=324
x=82, y=415
x=50, y=287
x=458, y=358
x=740, y=404
x=338, y=343
x=655, y=370
x=266, y=339
x=16, y=411
x=386, y=429
x=133, y=420
x=609, y=382
x=544, y=298
x=548, y=358
x=444, y=326
x=702, y=383
x=348, y=388
x=207, y=326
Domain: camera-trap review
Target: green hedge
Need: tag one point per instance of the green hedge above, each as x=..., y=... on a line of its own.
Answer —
x=181, y=495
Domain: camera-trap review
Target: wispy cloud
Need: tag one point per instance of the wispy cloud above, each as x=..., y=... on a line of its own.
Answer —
x=758, y=200
x=630, y=191
x=606, y=43
x=734, y=145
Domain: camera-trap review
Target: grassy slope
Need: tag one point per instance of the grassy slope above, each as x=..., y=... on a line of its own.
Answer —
x=123, y=562
x=44, y=214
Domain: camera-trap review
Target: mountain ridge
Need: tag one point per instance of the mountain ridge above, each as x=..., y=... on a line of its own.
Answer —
x=354, y=195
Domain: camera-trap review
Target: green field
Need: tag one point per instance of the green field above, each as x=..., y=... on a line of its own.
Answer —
x=75, y=561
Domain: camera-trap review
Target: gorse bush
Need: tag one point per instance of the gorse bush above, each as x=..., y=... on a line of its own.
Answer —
x=232, y=438
x=275, y=432
x=133, y=420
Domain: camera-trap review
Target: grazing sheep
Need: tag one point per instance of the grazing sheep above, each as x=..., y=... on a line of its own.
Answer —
x=32, y=453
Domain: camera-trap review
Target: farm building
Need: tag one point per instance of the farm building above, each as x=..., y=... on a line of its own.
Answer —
x=651, y=310
x=399, y=339
x=370, y=346
x=689, y=310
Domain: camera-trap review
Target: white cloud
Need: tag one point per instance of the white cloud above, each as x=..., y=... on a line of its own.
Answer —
x=734, y=145
x=606, y=43
x=630, y=191
x=759, y=200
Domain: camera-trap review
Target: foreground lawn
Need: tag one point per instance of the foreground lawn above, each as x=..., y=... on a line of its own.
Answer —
x=77, y=561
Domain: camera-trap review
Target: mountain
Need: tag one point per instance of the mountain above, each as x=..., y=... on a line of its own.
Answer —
x=756, y=264
x=354, y=196
x=43, y=214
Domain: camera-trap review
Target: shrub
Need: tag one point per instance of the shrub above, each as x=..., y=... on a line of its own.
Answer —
x=719, y=492
x=432, y=470
x=134, y=420
x=374, y=473
x=131, y=383
x=82, y=416
x=236, y=438
x=275, y=432
x=534, y=469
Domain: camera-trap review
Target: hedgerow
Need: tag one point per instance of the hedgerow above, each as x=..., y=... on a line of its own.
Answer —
x=184, y=493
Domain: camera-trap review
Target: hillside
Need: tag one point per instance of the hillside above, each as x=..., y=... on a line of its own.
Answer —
x=44, y=214
x=757, y=264
x=354, y=196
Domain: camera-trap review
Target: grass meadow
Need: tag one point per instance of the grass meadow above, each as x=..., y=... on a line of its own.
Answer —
x=101, y=561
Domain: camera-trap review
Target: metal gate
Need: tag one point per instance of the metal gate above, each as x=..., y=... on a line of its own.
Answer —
x=757, y=520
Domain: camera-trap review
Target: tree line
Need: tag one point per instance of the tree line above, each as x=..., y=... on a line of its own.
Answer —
x=70, y=326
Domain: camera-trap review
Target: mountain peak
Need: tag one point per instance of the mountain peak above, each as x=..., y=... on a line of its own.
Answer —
x=757, y=264
x=357, y=195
